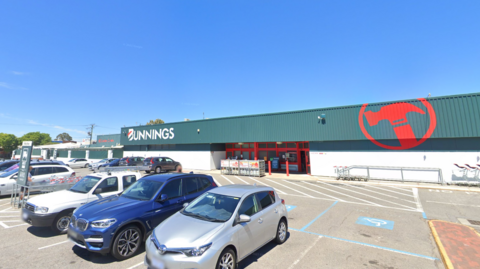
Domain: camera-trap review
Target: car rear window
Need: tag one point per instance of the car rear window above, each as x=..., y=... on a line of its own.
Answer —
x=265, y=199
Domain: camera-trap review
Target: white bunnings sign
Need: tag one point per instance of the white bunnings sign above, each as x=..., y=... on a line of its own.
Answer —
x=152, y=134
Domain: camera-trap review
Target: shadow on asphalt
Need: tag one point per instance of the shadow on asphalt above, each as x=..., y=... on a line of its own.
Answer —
x=102, y=259
x=44, y=232
x=252, y=258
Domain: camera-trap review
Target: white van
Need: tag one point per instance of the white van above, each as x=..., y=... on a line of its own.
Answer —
x=55, y=209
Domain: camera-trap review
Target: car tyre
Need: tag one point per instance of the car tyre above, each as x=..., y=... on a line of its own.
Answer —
x=282, y=229
x=178, y=168
x=61, y=222
x=227, y=260
x=147, y=171
x=127, y=242
x=158, y=170
x=86, y=166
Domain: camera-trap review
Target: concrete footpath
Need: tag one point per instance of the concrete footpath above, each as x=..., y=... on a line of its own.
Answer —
x=459, y=245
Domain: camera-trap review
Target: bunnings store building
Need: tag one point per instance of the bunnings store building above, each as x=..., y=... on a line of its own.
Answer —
x=425, y=132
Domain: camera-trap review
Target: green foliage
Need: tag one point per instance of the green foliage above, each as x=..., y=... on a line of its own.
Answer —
x=37, y=138
x=157, y=121
x=64, y=137
x=8, y=142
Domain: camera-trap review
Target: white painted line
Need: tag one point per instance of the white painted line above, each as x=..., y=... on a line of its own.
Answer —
x=242, y=180
x=383, y=200
x=5, y=204
x=136, y=265
x=340, y=192
x=452, y=204
x=289, y=188
x=304, y=253
x=402, y=189
x=417, y=200
x=263, y=183
x=227, y=179
x=9, y=216
x=216, y=181
x=389, y=190
x=316, y=191
x=55, y=244
x=4, y=225
x=365, y=189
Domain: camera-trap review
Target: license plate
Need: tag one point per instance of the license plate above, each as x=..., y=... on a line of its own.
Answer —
x=158, y=264
x=73, y=234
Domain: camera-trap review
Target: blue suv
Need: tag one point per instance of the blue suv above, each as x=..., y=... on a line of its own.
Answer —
x=120, y=224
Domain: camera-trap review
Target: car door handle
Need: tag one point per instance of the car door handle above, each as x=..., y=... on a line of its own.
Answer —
x=260, y=220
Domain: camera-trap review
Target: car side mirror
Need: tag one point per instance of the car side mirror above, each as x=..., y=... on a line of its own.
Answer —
x=243, y=219
x=163, y=198
x=185, y=204
x=97, y=191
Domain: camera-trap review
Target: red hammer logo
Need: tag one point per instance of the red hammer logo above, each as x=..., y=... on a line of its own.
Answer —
x=396, y=114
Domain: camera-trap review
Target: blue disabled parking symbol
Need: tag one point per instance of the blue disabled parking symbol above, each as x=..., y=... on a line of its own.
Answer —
x=379, y=223
x=290, y=207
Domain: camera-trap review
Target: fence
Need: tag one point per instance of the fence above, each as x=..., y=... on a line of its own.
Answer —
x=392, y=173
x=243, y=167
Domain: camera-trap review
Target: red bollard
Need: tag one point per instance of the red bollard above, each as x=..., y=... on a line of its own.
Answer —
x=270, y=168
x=288, y=170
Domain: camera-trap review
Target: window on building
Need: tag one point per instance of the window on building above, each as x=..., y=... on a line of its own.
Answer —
x=291, y=145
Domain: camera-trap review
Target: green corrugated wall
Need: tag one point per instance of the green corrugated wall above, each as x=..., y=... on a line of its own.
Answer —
x=77, y=154
x=456, y=116
x=98, y=154
x=62, y=153
x=118, y=153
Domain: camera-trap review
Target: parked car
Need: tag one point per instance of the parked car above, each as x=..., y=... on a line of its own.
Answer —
x=77, y=163
x=95, y=165
x=113, y=163
x=105, y=225
x=15, y=166
x=55, y=209
x=6, y=164
x=160, y=164
x=219, y=229
x=131, y=161
x=41, y=174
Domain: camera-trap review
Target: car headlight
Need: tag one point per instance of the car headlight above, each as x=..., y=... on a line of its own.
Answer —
x=41, y=209
x=196, y=251
x=104, y=223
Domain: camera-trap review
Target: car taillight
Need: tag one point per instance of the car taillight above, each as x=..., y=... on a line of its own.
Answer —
x=283, y=201
x=151, y=160
x=213, y=184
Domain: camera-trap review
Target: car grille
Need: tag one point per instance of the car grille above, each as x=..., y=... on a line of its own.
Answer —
x=82, y=224
x=30, y=207
x=72, y=220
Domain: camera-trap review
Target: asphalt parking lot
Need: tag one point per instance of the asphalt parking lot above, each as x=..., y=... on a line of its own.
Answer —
x=332, y=224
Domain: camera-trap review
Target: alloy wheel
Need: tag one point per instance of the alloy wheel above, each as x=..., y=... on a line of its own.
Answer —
x=282, y=231
x=227, y=261
x=128, y=242
x=62, y=223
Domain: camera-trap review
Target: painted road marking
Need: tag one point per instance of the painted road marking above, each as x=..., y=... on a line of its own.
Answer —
x=370, y=245
x=390, y=191
x=315, y=219
x=227, y=179
x=444, y=191
x=136, y=265
x=365, y=189
x=452, y=204
x=379, y=223
x=290, y=207
x=335, y=198
x=417, y=200
x=263, y=183
x=289, y=188
x=402, y=189
x=304, y=253
x=342, y=193
x=243, y=180
x=216, y=181
x=55, y=244
x=2, y=223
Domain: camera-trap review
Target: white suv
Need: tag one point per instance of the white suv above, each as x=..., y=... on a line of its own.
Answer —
x=41, y=175
x=77, y=163
x=55, y=209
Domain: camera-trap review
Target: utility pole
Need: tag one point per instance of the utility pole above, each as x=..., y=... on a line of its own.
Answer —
x=91, y=133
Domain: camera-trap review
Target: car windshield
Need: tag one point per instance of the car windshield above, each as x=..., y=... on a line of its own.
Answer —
x=85, y=184
x=9, y=173
x=142, y=190
x=11, y=168
x=72, y=160
x=114, y=161
x=212, y=207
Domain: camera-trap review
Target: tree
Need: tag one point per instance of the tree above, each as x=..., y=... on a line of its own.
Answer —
x=64, y=137
x=157, y=121
x=8, y=142
x=37, y=138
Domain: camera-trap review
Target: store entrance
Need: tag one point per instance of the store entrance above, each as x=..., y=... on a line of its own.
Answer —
x=296, y=153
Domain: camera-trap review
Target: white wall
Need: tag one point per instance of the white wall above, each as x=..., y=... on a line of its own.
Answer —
x=201, y=160
x=322, y=163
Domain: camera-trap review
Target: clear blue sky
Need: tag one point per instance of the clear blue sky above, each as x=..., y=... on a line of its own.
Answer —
x=66, y=64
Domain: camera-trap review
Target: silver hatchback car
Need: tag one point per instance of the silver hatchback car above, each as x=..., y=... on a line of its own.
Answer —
x=218, y=229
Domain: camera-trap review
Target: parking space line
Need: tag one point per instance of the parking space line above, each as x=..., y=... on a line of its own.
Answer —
x=55, y=244
x=216, y=181
x=5, y=204
x=263, y=183
x=335, y=198
x=227, y=179
x=242, y=180
x=452, y=204
x=417, y=200
x=389, y=191
x=370, y=245
x=289, y=188
x=402, y=189
x=315, y=219
x=304, y=253
x=9, y=216
x=136, y=265
x=341, y=193
x=372, y=196
x=380, y=193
